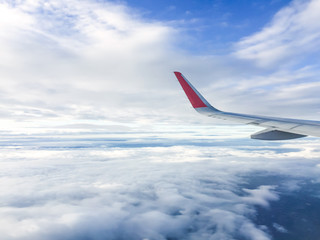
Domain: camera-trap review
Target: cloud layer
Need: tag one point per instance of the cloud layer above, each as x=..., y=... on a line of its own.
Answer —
x=115, y=186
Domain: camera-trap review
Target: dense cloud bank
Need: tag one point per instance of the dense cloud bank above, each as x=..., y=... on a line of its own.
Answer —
x=76, y=188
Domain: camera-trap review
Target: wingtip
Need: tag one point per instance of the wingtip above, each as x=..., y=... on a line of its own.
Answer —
x=197, y=101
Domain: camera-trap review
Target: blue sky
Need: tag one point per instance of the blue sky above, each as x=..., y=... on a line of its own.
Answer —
x=213, y=25
x=98, y=141
x=110, y=63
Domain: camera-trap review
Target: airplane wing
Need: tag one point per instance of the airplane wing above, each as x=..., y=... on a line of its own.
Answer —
x=275, y=128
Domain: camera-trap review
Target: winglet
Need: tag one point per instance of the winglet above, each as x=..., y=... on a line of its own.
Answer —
x=196, y=99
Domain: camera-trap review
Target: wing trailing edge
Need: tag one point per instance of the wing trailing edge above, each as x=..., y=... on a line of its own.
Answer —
x=276, y=128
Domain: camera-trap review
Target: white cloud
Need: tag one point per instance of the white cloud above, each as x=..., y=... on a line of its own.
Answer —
x=71, y=60
x=66, y=63
x=294, y=31
x=280, y=228
x=72, y=187
x=74, y=63
x=261, y=196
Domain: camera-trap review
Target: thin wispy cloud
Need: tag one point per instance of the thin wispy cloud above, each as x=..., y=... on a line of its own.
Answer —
x=78, y=57
x=293, y=32
x=77, y=62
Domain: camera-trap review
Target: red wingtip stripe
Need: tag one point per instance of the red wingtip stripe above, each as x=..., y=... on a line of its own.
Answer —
x=191, y=94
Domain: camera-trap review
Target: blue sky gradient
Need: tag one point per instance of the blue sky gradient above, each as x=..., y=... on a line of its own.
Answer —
x=78, y=63
x=214, y=25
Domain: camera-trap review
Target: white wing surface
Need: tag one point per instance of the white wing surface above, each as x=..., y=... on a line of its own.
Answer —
x=275, y=128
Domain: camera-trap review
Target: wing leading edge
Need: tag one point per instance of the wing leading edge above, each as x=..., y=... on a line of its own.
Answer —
x=276, y=128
